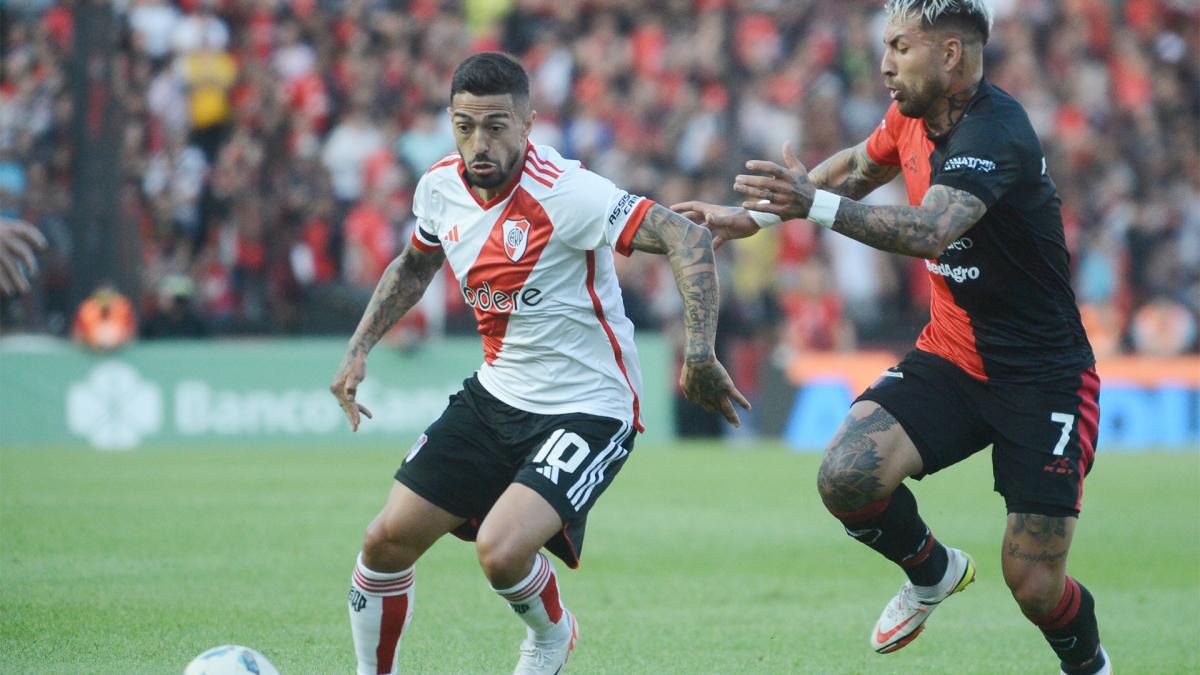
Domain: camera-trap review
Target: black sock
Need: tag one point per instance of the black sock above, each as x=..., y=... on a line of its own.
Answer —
x=1072, y=632
x=893, y=527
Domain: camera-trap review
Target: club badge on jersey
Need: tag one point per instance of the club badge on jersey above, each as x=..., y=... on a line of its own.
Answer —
x=516, y=238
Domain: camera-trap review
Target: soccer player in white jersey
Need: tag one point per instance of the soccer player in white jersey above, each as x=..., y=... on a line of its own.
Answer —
x=536, y=435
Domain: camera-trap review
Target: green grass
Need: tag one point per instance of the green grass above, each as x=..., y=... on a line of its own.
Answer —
x=700, y=559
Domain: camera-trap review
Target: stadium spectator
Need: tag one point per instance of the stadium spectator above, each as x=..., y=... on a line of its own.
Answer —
x=680, y=92
x=105, y=321
x=175, y=316
x=346, y=151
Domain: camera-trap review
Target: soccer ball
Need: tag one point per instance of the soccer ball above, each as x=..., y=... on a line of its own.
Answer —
x=230, y=660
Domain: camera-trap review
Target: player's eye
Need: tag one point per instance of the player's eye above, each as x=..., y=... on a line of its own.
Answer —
x=463, y=129
x=497, y=129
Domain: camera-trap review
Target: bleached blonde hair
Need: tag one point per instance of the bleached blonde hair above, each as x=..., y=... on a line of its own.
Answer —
x=938, y=13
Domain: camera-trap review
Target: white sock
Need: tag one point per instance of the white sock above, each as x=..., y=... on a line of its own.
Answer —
x=949, y=578
x=535, y=599
x=381, y=606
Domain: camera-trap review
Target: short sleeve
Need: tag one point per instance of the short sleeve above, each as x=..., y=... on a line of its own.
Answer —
x=425, y=234
x=881, y=144
x=589, y=212
x=981, y=158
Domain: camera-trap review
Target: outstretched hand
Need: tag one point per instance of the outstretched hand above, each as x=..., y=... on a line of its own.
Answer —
x=725, y=222
x=706, y=384
x=350, y=374
x=18, y=241
x=787, y=191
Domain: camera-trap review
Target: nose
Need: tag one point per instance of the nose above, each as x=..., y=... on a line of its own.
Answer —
x=479, y=142
x=888, y=65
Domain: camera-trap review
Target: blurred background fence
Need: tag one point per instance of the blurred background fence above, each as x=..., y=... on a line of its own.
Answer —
x=215, y=169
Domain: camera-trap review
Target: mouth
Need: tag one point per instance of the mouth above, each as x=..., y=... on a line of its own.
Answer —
x=894, y=93
x=483, y=168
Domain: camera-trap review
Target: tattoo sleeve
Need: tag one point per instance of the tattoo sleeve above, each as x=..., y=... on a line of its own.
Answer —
x=401, y=286
x=922, y=231
x=852, y=173
x=688, y=247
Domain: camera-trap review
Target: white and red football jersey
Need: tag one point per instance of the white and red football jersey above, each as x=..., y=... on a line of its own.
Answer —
x=536, y=265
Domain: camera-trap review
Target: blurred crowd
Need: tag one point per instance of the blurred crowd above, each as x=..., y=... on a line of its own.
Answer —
x=269, y=150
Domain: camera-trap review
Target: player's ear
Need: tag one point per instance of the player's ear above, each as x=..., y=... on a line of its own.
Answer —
x=530, y=116
x=952, y=52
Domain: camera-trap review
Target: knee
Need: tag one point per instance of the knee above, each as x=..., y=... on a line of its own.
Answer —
x=385, y=551
x=503, y=562
x=845, y=487
x=376, y=537
x=1037, y=590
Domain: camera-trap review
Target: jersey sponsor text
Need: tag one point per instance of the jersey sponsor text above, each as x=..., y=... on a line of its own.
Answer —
x=487, y=299
x=957, y=273
x=973, y=163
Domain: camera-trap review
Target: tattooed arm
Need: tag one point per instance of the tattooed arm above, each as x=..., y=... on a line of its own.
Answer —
x=922, y=231
x=852, y=173
x=401, y=286
x=689, y=249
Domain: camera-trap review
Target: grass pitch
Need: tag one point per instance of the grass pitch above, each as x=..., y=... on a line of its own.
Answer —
x=699, y=559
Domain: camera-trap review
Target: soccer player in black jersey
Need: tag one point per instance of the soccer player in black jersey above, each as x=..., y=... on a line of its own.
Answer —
x=1004, y=360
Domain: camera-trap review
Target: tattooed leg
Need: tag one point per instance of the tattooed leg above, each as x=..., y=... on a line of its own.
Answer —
x=1035, y=560
x=1035, y=567
x=866, y=460
x=860, y=482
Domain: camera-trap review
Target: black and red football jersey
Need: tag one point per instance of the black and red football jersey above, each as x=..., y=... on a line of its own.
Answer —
x=1001, y=307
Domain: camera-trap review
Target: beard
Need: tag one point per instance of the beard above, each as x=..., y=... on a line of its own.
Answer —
x=917, y=102
x=496, y=179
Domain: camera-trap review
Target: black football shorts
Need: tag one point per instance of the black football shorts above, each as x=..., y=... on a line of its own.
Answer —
x=480, y=445
x=1043, y=436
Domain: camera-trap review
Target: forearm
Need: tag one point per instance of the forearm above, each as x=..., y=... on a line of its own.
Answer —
x=688, y=248
x=851, y=173
x=695, y=273
x=922, y=231
x=833, y=174
x=907, y=230
x=400, y=287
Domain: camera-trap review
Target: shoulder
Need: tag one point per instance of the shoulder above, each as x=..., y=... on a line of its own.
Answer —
x=443, y=173
x=445, y=164
x=998, y=118
x=548, y=168
x=547, y=175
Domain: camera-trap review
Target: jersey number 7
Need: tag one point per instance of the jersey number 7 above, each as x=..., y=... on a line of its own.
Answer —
x=1067, y=421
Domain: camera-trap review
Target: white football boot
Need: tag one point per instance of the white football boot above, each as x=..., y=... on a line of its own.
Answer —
x=1106, y=669
x=548, y=658
x=904, y=617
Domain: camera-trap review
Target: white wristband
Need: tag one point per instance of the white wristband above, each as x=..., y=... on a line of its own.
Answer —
x=824, y=208
x=764, y=220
